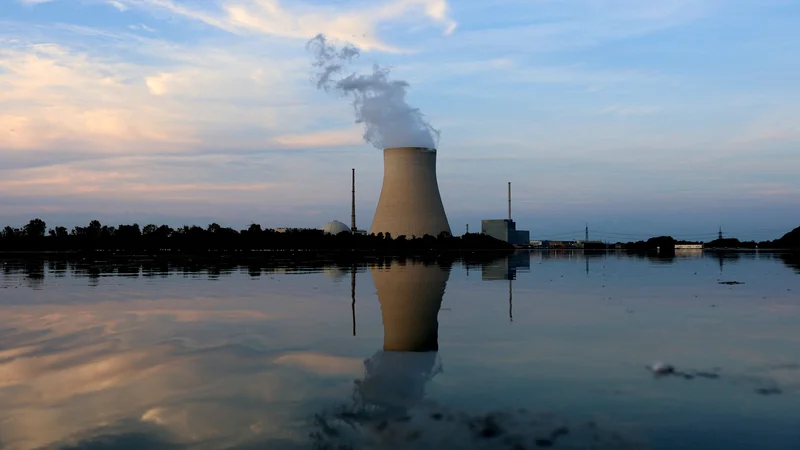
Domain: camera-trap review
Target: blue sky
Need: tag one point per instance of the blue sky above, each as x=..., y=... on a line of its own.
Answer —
x=639, y=118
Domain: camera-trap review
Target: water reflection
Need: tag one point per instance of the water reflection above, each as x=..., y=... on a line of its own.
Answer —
x=792, y=260
x=36, y=270
x=388, y=407
x=410, y=294
x=237, y=355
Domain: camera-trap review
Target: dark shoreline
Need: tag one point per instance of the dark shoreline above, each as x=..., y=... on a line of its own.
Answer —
x=266, y=258
x=310, y=254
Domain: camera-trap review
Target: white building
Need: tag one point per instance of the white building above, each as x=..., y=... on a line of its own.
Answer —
x=688, y=246
x=335, y=227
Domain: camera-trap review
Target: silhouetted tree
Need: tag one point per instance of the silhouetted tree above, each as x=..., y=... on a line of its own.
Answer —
x=154, y=239
x=36, y=228
x=94, y=228
x=129, y=232
x=149, y=229
x=11, y=233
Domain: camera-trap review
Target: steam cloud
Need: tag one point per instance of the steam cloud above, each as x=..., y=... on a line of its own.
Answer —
x=379, y=102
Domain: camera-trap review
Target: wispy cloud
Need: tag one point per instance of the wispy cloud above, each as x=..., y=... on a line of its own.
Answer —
x=770, y=190
x=57, y=96
x=568, y=25
x=358, y=26
x=324, y=139
x=117, y=4
x=141, y=26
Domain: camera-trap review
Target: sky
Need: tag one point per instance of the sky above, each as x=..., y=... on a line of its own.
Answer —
x=638, y=118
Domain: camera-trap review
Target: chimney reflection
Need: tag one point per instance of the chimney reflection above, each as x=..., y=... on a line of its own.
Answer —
x=506, y=269
x=353, y=272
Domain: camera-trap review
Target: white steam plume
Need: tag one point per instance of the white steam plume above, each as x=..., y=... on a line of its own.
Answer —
x=379, y=102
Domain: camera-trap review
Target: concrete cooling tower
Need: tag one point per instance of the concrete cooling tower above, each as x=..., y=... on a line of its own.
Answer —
x=410, y=203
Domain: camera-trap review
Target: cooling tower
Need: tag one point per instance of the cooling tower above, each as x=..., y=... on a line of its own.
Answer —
x=410, y=296
x=410, y=203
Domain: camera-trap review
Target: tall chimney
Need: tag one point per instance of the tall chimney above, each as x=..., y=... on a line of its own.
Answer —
x=353, y=211
x=509, y=200
x=410, y=204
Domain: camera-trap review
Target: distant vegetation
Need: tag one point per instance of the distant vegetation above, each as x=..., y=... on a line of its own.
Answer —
x=162, y=239
x=789, y=241
x=154, y=239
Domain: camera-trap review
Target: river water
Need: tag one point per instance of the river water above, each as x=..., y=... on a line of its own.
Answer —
x=535, y=350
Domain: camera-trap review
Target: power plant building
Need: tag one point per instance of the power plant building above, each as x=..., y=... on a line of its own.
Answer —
x=410, y=204
x=505, y=230
x=335, y=227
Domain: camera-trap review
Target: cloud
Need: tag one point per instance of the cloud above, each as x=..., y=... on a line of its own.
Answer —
x=119, y=5
x=126, y=179
x=778, y=126
x=142, y=26
x=322, y=139
x=769, y=190
x=34, y=2
x=570, y=25
x=302, y=21
x=56, y=96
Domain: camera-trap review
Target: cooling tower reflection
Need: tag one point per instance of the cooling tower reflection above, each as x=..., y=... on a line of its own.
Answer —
x=410, y=296
x=390, y=408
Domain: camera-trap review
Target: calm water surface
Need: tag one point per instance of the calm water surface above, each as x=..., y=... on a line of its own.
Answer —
x=537, y=350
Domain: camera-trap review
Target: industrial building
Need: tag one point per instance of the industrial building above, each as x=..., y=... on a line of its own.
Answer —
x=506, y=229
x=335, y=227
x=410, y=204
x=294, y=229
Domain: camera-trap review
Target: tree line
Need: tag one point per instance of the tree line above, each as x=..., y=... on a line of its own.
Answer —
x=35, y=236
x=789, y=241
x=151, y=239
